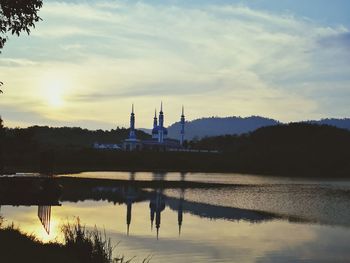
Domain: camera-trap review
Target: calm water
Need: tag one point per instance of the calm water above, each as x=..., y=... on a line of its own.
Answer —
x=257, y=219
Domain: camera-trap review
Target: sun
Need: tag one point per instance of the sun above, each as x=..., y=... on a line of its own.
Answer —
x=55, y=94
x=54, y=91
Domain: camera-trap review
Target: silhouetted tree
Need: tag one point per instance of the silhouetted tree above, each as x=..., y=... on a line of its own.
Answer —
x=17, y=16
x=1, y=144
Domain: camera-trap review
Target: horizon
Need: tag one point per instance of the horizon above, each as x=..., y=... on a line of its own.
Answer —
x=288, y=61
x=148, y=129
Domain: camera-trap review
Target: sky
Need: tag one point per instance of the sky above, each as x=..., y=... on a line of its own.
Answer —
x=87, y=61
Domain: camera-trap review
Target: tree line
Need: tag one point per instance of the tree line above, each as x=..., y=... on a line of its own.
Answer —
x=298, y=149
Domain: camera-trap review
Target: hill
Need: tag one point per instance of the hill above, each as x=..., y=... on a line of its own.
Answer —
x=214, y=126
x=340, y=123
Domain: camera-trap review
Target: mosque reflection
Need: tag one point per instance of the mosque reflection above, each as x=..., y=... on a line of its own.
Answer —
x=128, y=194
x=156, y=203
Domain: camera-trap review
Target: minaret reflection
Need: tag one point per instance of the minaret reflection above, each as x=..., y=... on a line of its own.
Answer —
x=152, y=213
x=180, y=209
x=128, y=216
x=159, y=176
x=130, y=196
x=182, y=176
x=181, y=200
x=157, y=203
x=44, y=214
x=132, y=176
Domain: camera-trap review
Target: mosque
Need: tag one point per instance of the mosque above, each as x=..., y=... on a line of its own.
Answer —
x=160, y=140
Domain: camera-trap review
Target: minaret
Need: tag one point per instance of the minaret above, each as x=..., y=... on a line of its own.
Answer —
x=155, y=121
x=182, y=123
x=132, y=134
x=161, y=125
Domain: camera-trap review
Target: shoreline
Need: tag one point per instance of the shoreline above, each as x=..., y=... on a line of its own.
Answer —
x=74, y=170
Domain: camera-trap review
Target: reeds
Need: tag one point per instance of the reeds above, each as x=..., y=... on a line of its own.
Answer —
x=80, y=245
x=88, y=246
x=91, y=246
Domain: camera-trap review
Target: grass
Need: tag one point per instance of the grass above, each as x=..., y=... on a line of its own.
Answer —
x=80, y=246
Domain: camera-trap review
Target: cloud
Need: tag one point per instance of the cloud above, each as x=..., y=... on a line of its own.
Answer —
x=18, y=117
x=341, y=40
x=237, y=59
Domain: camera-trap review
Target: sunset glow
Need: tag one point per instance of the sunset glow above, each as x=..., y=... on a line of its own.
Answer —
x=284, y=60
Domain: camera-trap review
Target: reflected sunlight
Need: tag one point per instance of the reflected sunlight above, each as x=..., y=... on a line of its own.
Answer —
x=41, y=234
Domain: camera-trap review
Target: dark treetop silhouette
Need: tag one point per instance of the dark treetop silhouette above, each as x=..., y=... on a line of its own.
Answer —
x=296, y=149
x=17, y=16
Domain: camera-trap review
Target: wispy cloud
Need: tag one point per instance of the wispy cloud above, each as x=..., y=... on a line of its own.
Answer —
x=221, y=59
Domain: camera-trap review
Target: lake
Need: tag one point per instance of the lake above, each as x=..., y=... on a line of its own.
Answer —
x=247, y=218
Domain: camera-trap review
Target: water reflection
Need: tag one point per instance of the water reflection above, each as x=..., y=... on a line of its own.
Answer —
x=44, y=214
x=157, y=202
x=180, y=209
x=207, y=224
x=128, y=194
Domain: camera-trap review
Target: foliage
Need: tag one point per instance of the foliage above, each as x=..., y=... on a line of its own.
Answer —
x=19, y=247
x=294, y=149
x=81, y=246
x=17, y=16
x=44, y=137
x=88, y=246
x=1, y=147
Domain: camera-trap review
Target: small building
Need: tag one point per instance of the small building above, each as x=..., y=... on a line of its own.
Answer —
x=109, y=146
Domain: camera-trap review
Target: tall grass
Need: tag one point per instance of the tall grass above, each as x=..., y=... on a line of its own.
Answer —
x=80, y=246
x=91, y=246
x=88, y=246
